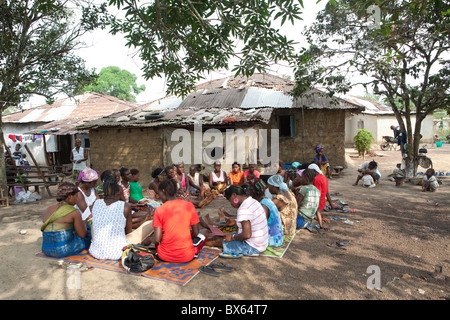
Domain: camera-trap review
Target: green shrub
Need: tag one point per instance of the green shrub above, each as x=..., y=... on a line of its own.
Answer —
x=363, y=141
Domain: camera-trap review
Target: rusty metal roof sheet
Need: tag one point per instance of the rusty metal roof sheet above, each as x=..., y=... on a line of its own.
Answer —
x=182, y=117
x=370, y=107
x=242, y=98
x=66, y=114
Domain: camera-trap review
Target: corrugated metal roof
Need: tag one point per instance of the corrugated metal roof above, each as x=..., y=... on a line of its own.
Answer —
x=216, y=100
x=182, y=117
x=169, y=102
x=66, y=114
x=262, y=97
x=370, y=107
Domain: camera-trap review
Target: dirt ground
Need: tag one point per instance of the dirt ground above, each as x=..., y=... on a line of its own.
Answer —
x=401, y=230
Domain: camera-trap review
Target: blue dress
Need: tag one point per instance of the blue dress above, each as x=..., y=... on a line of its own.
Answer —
x=274, y=223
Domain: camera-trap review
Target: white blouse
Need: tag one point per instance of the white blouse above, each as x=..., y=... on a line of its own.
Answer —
x=108, y=224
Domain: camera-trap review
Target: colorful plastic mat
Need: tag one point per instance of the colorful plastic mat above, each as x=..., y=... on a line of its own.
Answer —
x=177, y=273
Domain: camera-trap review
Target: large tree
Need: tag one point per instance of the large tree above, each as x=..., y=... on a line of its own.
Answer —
x=117, y=83
x=37, y=40
x=399, y=49
x=184, y=39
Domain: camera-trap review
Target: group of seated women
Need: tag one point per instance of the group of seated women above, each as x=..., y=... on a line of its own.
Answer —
x=106, y=218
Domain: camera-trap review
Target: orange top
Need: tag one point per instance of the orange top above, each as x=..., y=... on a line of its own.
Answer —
x=175, y=217
x=236, y=177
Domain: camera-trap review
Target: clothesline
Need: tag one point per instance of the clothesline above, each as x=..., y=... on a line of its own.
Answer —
x=25, y=138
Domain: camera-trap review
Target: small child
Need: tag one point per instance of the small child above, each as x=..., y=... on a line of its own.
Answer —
x=429, y=182
x=308, y=200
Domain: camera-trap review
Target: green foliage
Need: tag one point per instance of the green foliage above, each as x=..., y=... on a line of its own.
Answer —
x=184, y=39
x=404, y=59
x=37, y=40
x=117, y=83
x=363, y=141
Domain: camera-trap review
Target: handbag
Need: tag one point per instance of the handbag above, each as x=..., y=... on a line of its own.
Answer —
x=137, y=258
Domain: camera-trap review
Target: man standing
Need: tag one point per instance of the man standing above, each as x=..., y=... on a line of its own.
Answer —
x=400, y=136
x=78, y=157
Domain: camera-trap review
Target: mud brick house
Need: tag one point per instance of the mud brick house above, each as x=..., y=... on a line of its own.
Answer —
x=142, y=138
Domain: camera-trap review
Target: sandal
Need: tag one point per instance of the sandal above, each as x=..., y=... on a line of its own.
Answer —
x=209, y=270
x=231, y=255
x=221, y=266
x=252, y=255
x=340, y=245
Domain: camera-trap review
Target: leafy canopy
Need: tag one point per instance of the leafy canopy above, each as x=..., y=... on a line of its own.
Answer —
x=117, y=83
x=37, y=40
x=184, y=39
x=400, y=51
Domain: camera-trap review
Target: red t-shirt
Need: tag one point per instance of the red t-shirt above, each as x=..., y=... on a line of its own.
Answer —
x=321, y=183
x=255, y=172
x=175, y=218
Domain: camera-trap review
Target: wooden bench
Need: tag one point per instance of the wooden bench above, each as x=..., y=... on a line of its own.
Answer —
x=33, y=175
x=337, y=171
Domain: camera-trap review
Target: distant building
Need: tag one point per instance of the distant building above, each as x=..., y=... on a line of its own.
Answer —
x=378, y=119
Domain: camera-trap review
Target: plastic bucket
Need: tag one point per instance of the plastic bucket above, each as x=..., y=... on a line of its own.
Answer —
x=438, y=144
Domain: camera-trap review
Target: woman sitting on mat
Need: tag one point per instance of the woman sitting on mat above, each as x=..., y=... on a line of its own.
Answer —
x=218, y=180
x=176, y=224
x=257, y=190
x=63, y=231
x=113, y=225
x=236, y=175
x=87, y=180
x=285, y=201
x=158, y=175
x=111, y=222
x=252, y=237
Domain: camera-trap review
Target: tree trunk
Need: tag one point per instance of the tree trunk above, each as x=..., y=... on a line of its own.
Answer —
x=412, y=159
x=3, y=181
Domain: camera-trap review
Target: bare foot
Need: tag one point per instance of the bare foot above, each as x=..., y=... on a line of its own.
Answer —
x=221, y=214
x=208, y=220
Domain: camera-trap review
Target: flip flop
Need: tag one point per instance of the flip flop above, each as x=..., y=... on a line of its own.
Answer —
x=335, y=245
x=231, y=255
x=252, y=255
x=341, y=245
x=221, y=266
x=343, y=242
x=209, y=270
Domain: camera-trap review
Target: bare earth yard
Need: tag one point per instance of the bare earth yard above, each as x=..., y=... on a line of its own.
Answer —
x=402, y=230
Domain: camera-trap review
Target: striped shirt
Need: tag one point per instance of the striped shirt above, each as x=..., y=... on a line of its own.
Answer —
x=252, y=211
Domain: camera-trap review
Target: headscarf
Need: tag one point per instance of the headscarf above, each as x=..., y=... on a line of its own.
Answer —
x=88, y=175
x=318, y=149
x=296, y=164
x=277, y=181
x=314, y=166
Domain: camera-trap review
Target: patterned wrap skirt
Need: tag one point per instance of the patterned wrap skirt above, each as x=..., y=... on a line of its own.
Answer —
x=62, y=243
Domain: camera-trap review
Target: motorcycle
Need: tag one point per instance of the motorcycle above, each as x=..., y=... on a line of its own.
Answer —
x=389, y=143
